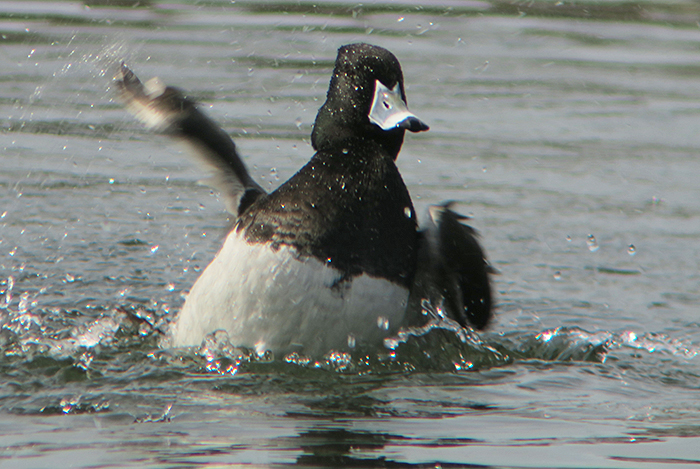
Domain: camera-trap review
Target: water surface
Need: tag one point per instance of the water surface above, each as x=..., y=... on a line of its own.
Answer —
x=568, y=131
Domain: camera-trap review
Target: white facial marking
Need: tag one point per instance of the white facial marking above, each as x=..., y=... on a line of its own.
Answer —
x=388, y=107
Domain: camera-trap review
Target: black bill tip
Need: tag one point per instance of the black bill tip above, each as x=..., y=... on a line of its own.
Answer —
x=413, y=124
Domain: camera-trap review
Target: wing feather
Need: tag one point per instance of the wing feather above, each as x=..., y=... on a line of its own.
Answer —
x=167, y=110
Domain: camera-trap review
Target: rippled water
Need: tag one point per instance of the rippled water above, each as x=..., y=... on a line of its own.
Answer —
x=569, y=131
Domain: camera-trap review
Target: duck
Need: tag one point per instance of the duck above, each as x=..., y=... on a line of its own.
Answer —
x=333, y=259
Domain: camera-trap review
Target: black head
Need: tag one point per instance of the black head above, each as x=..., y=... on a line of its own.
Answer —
x=365, y=78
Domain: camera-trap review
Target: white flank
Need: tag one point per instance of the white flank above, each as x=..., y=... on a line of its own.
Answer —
x=266, y=299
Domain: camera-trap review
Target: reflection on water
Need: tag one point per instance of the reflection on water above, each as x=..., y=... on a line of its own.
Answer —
x=567, y=130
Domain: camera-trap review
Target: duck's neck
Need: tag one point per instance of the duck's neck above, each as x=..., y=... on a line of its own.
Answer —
x=333, y=129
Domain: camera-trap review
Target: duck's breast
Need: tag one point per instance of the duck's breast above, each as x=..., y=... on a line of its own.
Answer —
x=272, y=299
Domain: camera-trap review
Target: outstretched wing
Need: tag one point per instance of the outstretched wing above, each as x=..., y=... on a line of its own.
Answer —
x=166, y=109
x=455, y=267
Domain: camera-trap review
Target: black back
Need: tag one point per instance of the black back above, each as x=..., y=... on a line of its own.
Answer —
x=348, y=206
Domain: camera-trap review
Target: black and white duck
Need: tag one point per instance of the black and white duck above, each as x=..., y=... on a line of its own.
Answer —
x=333, y=258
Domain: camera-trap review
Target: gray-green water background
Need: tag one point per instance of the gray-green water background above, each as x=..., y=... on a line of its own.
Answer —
x=568, y=130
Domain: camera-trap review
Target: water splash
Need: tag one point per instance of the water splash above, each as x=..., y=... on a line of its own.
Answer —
x=99, y=331
x=575, y=344
x=592, y=243
x=76, y=405
x=338, y=361
x=441, y=343
x=7, y=294
x=437, y=320
x=164, y=417
x=383, y=323
x=653, y=342
x=297, y=359
x=221, y=356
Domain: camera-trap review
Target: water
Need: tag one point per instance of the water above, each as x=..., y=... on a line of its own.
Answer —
x=568, y=132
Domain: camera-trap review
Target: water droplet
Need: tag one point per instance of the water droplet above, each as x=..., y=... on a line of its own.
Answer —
x=557, y=275
x=144, y=329
x=631, y=250
x=345, y=151
x=297, y=359
x=260, y=348
x=339, y=360
x=383, y=323
x=592, y=243
x=408, y=212
x=459, y=366
x=568, y=238
x=170, y=287
x=297, y=122
x=154, y=248
x=111, y=180
x=547, y=335
x=23, y=305
x=401, y=18
x=85, y=360
x=67, y=406
x=4, y=214
x=8, y=293
x=351, y=341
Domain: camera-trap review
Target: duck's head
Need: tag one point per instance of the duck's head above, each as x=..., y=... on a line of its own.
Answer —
x=366, y=99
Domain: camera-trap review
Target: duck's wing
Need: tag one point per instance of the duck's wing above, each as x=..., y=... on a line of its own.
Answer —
x=166, y=109
x=454, y=267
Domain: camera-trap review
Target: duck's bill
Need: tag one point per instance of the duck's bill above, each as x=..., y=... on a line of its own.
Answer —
x=389, y=111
